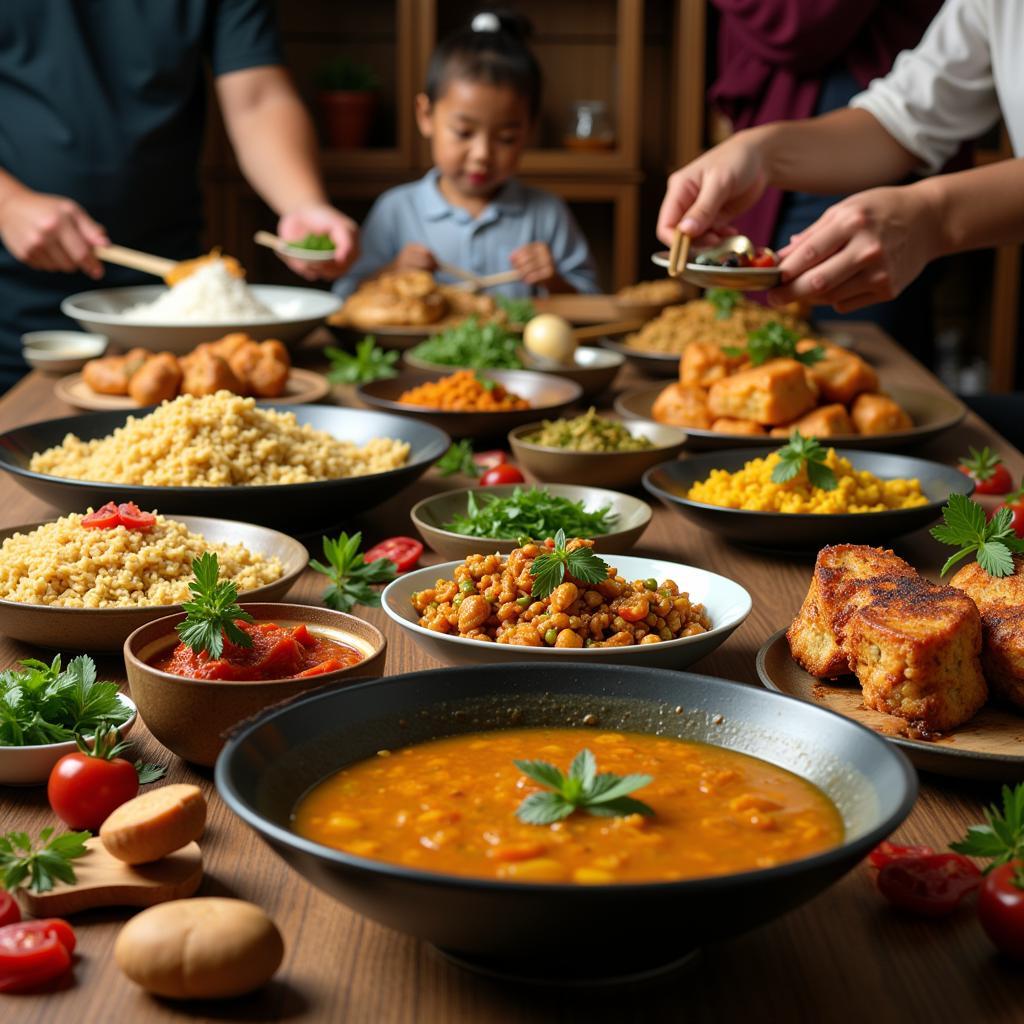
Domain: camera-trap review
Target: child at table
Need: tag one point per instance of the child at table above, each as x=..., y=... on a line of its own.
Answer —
x=481, y=100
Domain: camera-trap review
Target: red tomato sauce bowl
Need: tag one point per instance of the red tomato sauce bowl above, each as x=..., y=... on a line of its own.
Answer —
x=193, y=716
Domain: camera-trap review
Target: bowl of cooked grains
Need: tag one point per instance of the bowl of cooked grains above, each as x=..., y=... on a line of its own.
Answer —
x=86, y=587
x=307, y=466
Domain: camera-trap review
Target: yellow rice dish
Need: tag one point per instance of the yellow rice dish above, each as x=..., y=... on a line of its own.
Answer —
x=217, y=440
x=752, y=488
x=65, y=565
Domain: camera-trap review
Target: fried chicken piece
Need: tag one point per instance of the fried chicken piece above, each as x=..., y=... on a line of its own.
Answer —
x=724, y=425
x=110, y=374
x=682, y=407
x=841, y=375
x=157, y=380
x=777, y=392
x=227, y=346
x=825, y=421
x=704, y=362
x=1001, y=604
x=261, y=367
x=878, y=414
x=206, y=373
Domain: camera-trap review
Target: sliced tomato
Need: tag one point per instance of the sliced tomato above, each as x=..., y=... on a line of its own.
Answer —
x=10, y=912
x=932, y=885
x=490, y=459
x=506, y=473
x=886, y=852
x=33, y=953
x=405, y=552
x=134, y=518
x=765, y=258
x=1001, y=908
x=105, y=518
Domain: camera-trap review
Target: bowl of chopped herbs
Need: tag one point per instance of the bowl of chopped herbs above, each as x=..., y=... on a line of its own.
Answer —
x=459, y=523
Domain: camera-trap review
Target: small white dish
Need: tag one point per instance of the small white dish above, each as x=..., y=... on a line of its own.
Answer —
x=741, y=279
x=61, y=351
x=31, y=765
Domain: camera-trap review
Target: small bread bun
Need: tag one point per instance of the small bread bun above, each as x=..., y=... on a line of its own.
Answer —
x=155, y=824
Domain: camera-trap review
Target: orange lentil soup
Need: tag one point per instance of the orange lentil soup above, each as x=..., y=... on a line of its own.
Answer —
x=449, y=806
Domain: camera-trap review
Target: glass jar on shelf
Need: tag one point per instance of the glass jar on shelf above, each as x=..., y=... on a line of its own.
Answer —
x=590, y=126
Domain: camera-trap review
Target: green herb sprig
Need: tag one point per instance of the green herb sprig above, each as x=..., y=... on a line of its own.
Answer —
x=459, y=459
x=314, y=241
x=488, y=346
x=725, y=300
x=604, y=795
x=804, y=452
x=213, y=612
x=529, y=512
x=43, y=703
x=40, y=862
x=518, y=311
x=774, y=341
x=993, y=542
x=350, y=574
x=1001, y=838
x=550, y=568
x=369, y=363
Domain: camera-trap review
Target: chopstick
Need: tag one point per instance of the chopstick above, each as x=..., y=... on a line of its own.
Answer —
x=679, y=254
x=502, y=277
x=599, y=330
x=454, y=271
x=122, y=256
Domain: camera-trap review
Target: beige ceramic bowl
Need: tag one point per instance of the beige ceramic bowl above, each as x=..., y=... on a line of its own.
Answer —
x=598, y=469
x=191, y=717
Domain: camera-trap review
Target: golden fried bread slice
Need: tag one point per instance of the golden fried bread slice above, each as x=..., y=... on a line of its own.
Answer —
x=878, y=414
x=724, y=425
x=1001, y=604
x=682, y=407
x=704, y=362
x=777, y=392
x=844, y=575
x=841, y=375
x=825, y=421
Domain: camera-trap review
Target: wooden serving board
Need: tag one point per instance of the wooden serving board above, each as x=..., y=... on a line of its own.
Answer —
x=105, y=881
x=989, y=746
x=303, y=386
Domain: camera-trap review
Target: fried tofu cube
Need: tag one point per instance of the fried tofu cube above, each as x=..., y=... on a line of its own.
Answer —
x=841, y=375
x=777, y=392
x=682, y=407
x=704, y=362
x=825, y=421
x=724, y=425
x=875, y=413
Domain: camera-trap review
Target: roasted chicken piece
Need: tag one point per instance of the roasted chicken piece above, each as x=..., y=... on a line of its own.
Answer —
x=682, y=407
x=825, y=421
x=206, y=373
x=157, y=380
x=775, y=393
x=841, y=375
x=878, y=414
x=110, y=374
x=1001, y=604
x=724, y=425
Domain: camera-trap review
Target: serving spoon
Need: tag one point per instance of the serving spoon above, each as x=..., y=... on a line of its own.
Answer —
x=294, y=252
x=172, y=271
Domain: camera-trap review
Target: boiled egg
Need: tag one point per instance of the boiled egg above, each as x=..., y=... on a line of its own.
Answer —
x=550, y=337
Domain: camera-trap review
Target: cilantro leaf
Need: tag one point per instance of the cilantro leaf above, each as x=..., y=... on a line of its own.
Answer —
x=528, y=512
x=213, y=612
x=804, y=453
x=459, y=459
x=488, y=346
x=775, y=341
x=993, y=542
x=40, y=862
x=350, y=574
x=725, y=300
x=1001, y=838
x=368, y=364
x=549, y=568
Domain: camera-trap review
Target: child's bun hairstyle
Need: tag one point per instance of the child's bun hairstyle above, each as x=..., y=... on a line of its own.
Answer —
x=491, y=49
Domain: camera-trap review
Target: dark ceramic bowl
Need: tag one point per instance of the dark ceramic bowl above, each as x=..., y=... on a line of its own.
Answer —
x=803, y=531
x=318, y=504
x=562, y=931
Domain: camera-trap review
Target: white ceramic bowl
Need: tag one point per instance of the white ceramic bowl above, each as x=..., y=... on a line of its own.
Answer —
x=61, y=351
x=297, y=311
x=727, y=603
x=31, y=766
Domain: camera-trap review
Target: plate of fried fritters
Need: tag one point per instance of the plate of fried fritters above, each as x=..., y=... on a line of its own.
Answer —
x=937, y=668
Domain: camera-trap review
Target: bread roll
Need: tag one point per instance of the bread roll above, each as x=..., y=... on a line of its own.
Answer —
x=155, y=824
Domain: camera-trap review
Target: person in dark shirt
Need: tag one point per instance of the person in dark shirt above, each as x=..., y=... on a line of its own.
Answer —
x=102, y=110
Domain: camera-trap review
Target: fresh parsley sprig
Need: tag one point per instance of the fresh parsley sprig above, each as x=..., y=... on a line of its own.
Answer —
x=550, y=568
x=350, y=574
x=529, y=512
x=213, y=612
x=804, y=452
x=725, y=300
x=604, y=795
x=1001, y=838
x=775, y=341
x=518, y=311
x=368, y=364
x=459, y=459
x=39, y=862
x=993, y=542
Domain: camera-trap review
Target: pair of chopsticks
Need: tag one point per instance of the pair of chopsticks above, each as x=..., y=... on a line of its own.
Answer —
x=679, y=254
x=474, y=283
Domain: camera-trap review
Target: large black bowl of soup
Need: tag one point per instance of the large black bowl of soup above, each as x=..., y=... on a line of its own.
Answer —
x=401, y=797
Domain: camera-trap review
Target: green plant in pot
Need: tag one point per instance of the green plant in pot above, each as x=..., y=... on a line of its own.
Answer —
x=346, y=100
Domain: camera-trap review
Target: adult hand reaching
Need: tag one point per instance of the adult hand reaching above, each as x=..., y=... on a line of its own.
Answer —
x=49, y=232
x=321, y=218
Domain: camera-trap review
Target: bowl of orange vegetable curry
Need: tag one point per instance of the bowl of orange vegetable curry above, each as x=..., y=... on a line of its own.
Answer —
x=570, y=822
x=189, y=701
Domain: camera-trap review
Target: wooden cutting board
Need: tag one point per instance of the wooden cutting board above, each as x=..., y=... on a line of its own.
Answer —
x=105, y=881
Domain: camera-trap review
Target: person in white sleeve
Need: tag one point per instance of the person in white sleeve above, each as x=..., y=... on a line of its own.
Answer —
x=967, y=71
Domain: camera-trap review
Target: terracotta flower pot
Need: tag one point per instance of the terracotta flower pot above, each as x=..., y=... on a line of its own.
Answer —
x=346, y=117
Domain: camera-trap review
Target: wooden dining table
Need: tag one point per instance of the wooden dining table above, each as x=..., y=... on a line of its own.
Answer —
x=844, y=956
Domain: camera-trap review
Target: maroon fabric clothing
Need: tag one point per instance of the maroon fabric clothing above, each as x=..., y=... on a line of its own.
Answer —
x=773, y=54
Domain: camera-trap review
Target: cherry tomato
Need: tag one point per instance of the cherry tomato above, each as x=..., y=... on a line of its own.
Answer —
x=932, y=885
x=405, y=552
x=1001, y=908
x=505, y=473
x=886, y=852
x=10, y=912
x=765, y=258
x=134, y=518
x=987, y=470
x=490, y=459
x=34, y=952
x=86, y=786
x=105, y=518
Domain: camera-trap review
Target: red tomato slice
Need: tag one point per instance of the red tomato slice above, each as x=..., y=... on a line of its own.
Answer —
x=506, y=473
x=886, y=852
x=1001, y=908
x=932, y=885
x=33, y=953
x=405, y=552
x=490, y=459
x=764, y=259
x=10, y=912
x=134, y=518
x=105, y=518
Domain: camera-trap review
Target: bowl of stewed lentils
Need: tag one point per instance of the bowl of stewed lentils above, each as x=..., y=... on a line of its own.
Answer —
x=560, y=598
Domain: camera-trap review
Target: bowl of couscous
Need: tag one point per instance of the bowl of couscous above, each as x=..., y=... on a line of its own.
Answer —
x=877, y=496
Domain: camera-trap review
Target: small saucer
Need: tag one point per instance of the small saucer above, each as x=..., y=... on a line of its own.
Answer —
x=61, y=351
x=741, y=279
